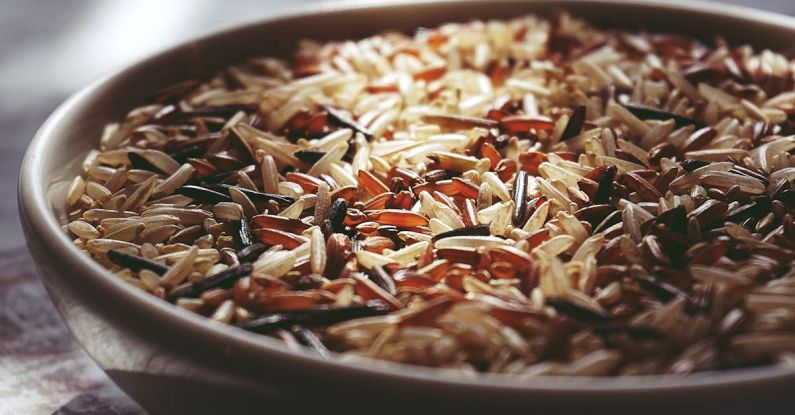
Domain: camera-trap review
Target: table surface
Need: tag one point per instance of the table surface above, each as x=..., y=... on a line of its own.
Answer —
x=48, y=50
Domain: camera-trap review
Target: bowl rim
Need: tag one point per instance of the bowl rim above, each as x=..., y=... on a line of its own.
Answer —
x=41, y=223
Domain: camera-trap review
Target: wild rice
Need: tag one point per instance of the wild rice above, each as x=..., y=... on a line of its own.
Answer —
x=527, y=197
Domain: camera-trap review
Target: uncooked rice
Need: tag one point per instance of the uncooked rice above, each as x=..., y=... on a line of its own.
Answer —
x=529, y=197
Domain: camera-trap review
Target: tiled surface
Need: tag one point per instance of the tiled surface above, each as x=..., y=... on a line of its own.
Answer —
x=47, y=51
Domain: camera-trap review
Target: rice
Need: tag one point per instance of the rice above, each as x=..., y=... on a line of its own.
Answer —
x=529, y=197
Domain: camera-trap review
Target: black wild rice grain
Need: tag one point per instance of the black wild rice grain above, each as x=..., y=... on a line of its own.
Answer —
x=661, y=290
x=605, y=188
x=186, y=153
x=135, y=262
x=475, y=230
x=223, y=279
x=256, y=197
x=346, y=121
x=576, y=310
x=316, y=316
x=336, y=215
x=675, y=219
x=252, y=252
x=754, y=210
x=690, y=165
x=309, y=156
x=203, y=195
x=520, y=197
x=649, y=113
x=138, y=161
x=574, y=126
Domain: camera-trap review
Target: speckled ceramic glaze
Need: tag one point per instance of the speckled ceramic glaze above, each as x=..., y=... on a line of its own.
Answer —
x=172, y=361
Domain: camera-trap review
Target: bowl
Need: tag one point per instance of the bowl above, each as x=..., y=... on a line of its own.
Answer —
x=172, y=361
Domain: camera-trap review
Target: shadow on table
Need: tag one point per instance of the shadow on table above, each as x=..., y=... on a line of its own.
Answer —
x=89, y=403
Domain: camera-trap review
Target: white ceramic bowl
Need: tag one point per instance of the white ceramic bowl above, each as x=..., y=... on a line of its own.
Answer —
x=172, y=361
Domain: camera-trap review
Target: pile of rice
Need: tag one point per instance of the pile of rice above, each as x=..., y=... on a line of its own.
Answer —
x=530, y=197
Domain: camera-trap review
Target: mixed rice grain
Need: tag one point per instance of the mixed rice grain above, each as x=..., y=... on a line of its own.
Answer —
x=530, y=197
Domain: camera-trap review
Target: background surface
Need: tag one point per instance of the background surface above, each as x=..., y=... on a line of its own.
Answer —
x=49, y=50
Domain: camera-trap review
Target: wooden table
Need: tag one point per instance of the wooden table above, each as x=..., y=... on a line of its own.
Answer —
x=42, y=368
